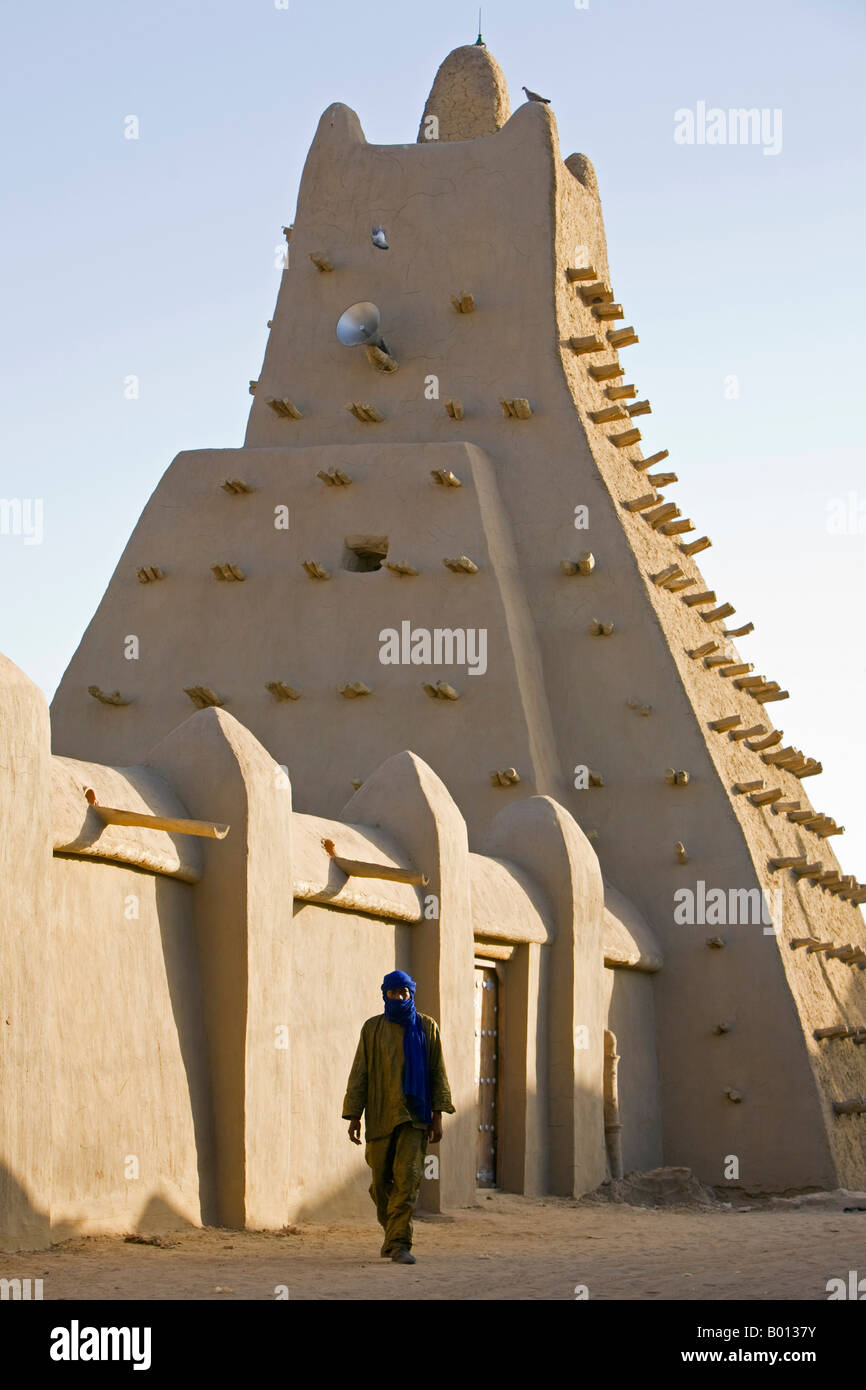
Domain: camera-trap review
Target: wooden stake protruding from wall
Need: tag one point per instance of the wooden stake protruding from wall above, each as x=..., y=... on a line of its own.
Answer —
x=353, y=690
x=764, y=798
x=624, y=440
x=505, y=777
x=581, y=346
x=463, y=303
x=287, y=410
x=639, y=708
x=692, y=548
x=315, y=570
x=360, y=868
x=857, y=1106
x=461, y=565
x=643, y=464
x=666, y=512
x=664, y=576
x=600, y=629
x=172, y=825
x=105, y=697
x=454, y=409
x=605, y=312
x=228, y=572
x=586, y=272
x=730, y=721
x=203, y=697
x=640, y=504
x=781, y=756
x=767, y=695
x=440, y=691
x=380, y=359
x=812, y=770
x=703, y=650
x=584, y=564
x=445, y=478
x=149, y=574
x=334, y=477
x=401, y=568
x=281, y=691
x=516, y=408
x=366, y=413
x=723, y=611
x=677, y=777
x=595, y=293
x=622, y=337
x=606, y=371
x=752, y=732
x=235, y=487
x=769, y=741
x=680, y=852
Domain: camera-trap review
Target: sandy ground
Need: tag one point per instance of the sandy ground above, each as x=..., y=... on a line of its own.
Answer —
x=506, y=1247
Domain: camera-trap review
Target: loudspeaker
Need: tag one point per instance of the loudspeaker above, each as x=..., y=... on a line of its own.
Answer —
x=359, y=326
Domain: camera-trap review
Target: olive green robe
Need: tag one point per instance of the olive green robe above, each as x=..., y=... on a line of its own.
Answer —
x=375, y=1087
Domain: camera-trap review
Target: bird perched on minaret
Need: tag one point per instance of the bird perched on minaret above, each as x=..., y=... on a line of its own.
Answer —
x=533, y=96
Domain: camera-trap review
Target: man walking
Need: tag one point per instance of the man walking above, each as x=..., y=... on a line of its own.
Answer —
x=398, y=1080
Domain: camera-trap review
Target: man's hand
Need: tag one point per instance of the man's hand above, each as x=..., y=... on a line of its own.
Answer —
x=434, y=1132
x=355, y=1129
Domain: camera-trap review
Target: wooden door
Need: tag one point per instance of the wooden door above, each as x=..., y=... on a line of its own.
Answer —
x=486, y=1070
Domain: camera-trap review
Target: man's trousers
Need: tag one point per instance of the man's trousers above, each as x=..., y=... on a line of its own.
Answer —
x=397, y=1164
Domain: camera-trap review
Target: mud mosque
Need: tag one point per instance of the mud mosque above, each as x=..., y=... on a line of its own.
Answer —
x=425, y=676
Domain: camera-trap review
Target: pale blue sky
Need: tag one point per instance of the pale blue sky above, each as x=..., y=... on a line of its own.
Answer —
x=157, y=257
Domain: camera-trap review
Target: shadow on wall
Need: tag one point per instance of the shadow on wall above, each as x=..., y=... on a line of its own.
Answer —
x=35, y=1231
x=182, y=967
x=31, y=1223
x=351, y=1199
x=157, y=1217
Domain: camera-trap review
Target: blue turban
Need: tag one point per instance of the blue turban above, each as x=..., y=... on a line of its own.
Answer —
x=416, y=1070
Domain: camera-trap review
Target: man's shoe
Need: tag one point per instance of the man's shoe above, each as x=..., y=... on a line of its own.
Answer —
x=403, y=1257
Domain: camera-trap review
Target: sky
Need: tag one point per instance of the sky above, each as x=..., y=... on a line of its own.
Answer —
x=138, y=276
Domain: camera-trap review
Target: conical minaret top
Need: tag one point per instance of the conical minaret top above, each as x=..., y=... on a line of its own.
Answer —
x=469, y=97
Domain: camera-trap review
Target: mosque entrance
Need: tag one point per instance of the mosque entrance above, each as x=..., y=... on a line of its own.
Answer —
x=487, y=1070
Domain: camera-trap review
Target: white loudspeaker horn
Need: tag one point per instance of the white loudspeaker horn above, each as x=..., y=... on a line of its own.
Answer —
x=359, y=326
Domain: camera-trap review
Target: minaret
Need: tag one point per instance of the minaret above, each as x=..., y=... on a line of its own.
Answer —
x=483, y=468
